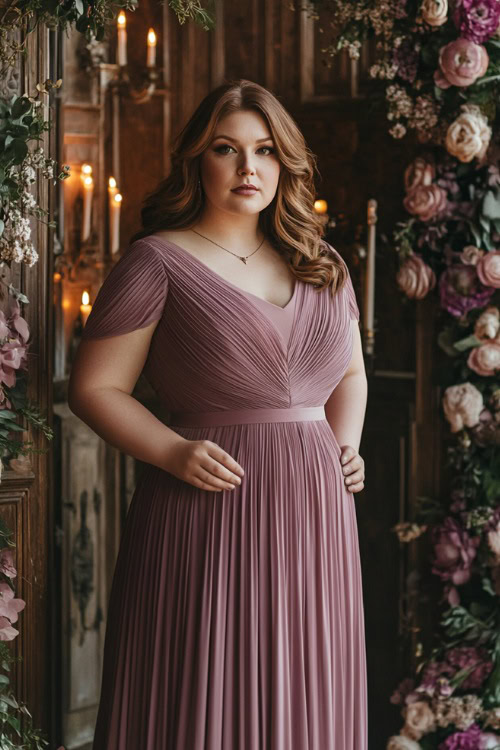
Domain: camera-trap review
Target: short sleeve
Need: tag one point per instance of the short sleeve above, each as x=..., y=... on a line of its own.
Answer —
x=132, y=295
x=347, y=288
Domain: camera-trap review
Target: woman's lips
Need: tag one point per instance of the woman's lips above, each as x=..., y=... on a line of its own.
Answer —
x=245, y=191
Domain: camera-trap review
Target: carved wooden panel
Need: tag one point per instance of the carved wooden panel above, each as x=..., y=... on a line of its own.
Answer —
x=83, y=574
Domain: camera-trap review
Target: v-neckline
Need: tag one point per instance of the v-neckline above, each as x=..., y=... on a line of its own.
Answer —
x=199, y=262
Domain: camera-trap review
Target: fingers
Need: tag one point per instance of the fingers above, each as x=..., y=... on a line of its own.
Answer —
x=353, y=468
x=218, y=470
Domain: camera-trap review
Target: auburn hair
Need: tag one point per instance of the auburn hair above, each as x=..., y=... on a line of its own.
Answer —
x=289, y=222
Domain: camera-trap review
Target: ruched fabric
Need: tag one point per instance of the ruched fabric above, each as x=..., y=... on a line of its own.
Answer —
x=235, y=620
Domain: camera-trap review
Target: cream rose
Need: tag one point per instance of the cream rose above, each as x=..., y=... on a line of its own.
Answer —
x=398, y=742
x=488, y=269
x=415, y=278
x=462, y=405
x=485, y=359
x=471, y=254
x=488, y=324
x=425, y=201
x=434, y=12
x=418, y=173
x=419, y=720
x=494, y=541
x=468, y=137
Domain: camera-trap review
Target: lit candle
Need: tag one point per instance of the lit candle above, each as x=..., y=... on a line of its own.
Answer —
x=85, y=308
x=121, y=57
x=88, y=191
x=112, y=189
x=151, y=49
x=114, y=223
x=320, y=206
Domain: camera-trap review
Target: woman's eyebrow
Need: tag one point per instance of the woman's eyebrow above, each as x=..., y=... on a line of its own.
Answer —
x=235, y=140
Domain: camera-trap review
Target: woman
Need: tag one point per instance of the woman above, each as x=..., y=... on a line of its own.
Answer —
x=235, y=619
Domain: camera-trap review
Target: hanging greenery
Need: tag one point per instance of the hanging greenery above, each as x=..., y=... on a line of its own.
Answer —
x=440, y=67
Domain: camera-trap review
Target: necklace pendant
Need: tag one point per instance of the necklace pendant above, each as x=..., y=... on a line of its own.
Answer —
x=244, y=260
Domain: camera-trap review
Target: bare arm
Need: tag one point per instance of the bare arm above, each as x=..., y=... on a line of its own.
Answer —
x=346, y=406
x=103, y=377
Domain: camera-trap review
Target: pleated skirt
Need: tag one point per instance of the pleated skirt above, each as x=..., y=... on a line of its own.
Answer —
x=235, y=620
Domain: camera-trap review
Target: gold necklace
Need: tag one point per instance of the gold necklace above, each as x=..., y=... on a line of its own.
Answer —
x=243, y=258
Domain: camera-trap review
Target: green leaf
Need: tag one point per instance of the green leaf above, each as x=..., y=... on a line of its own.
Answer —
x=21, y=107
x=463, y=344
x=491, y=205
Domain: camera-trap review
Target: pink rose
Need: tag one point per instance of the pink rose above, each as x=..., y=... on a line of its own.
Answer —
x=415, y=278
x=454, y=552
x=419, y=720
x=418, y=173
x=488, y=269
x=426, y=201
x=461, y=63
x=462, y=405
x=485, y=359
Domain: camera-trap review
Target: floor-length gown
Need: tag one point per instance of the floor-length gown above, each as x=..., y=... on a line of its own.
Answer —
x=235, y=619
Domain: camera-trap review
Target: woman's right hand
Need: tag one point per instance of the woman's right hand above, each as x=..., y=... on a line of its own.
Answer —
x=203, y=464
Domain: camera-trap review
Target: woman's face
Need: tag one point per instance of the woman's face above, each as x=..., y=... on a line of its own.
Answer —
x=241, y=151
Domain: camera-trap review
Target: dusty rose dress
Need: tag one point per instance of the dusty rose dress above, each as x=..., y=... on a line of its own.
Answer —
x=235, y=619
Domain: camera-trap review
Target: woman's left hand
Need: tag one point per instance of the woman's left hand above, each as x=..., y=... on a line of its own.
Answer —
x=353, y=467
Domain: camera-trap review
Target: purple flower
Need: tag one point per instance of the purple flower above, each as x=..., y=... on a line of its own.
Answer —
x=476, y=20
x=460, y=290
x=454, y=551
x=468, y=740
x=406, y=58
x=467, y=656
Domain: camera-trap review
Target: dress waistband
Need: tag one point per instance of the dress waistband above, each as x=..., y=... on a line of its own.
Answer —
x=246, y=416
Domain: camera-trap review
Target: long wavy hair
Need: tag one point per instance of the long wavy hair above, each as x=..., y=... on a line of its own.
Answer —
x=289, y=222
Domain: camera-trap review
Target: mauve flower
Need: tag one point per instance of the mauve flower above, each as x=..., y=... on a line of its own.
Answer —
x=468, y=137
x=468, y=740
x=434, y=12
x=415, y=278
x=463, y=657
x=7, y=632
x=12, y=358
x=454, y=551
x=7, y=562
x=462, y=405
x=485, y=359
x=9, y=606
x=16, y=322
x=419, y=172
x=419, y=720
x=460, y=290
x=488, y=324
x=488, y=269
x=398, y=742
x=405, y=59
x=461, y=63
x=426, y=201
x=403, y=689
x=470, y=255
x=476, y=20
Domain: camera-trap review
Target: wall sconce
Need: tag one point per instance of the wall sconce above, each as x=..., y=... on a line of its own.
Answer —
x=149, y=76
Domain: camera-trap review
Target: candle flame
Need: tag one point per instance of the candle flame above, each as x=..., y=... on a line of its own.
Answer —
x=151, y=38
x=88, y=181
x=121, y=20
x=112, y=182
x=320, y=206
x=118, y=198
x=85, y=298
x=86, y=169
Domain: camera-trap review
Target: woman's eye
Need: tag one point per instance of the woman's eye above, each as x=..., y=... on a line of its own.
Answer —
x=219, y=149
